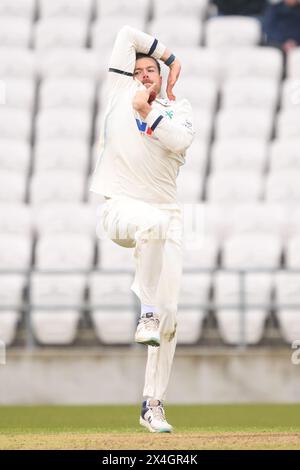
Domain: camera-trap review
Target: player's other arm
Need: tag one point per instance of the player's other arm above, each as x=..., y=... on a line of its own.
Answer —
x=176, y=134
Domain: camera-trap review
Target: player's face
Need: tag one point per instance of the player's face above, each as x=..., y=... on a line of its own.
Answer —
x=146, y=71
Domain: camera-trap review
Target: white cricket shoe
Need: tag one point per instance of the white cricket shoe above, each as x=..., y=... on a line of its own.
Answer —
x=153, y=416
x=147, y=331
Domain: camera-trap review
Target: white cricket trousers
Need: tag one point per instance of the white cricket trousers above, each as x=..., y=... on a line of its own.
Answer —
x=156, y=233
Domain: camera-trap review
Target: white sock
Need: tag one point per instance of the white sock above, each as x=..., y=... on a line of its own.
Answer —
x=147, y=309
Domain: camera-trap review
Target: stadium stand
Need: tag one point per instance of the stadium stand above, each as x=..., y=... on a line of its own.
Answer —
x=240, y=183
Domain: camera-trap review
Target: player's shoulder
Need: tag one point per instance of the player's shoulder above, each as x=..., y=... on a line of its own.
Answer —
x=179, y=104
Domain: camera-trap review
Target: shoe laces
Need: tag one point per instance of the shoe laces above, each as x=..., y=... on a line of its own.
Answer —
x=158, y=413
x=150, y=323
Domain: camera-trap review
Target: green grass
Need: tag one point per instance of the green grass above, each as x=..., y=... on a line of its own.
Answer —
x=124, y=419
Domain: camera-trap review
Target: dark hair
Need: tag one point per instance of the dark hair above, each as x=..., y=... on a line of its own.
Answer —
x=141, y=55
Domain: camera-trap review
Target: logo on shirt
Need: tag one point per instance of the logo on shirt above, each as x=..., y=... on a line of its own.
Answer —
x=143, y=127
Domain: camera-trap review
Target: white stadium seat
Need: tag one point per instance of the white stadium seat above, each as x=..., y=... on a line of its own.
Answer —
x=61, y=154
x=72, y=62
x=20, y=8
x=14, y=155
x=114, y=326
x=178, y=31
x=15, y=252
x=200, y=62
x=293, y=63
x=285, y=154
x=66, y=8
x=11, y=291
x=224, y=31
x=288, y=123
x=105, y=30
x=256, y=62
x=252, y=251
x=17, y=62
x=202, y=93
x=55, y=328
x=15, y=124
x=291, y=93
x=230, y=327
x=234, y=186
x=257, y=294
x=64, y=218
x=202, y=252
x=11, y=300
x=57, y=186
x=122, y=8
x=8, y=325
x=111, y=289
x=203, y=120
x=195, y=8
x=189, y=185
x=244, y=123
x=257, y=288
x=196, y=156
x=111, y=254
x=283, y=186
x=250, y=92
x=259, y=218
x=65, y=252
x=19, y=93
x=68, y=92
x=195, y=289
x=16, y=219
x=215, y=220
x=239, y=154
x=60, y=33
x=292, y=252
x=15, y=31
x=189, y=325
x=112, y=305
x=64, y=123
x=288, y=294
x=12, y=186
x=57, y=290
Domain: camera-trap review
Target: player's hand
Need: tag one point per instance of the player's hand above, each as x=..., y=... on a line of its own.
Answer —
x=173, y=76
x=143, y=98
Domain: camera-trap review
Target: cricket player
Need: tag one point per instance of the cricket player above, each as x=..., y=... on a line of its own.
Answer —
x=143, y=140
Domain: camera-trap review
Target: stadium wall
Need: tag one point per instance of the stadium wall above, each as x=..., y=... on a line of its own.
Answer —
x=115, y=375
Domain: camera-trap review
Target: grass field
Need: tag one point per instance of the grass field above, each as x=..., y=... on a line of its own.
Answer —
x=116, y=427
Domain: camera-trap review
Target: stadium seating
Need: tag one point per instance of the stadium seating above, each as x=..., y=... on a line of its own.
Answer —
x=287, y=295
x=122, y=8
x=60, y=33
x=284, y=155
x=18, y=8
x=113, y=312
x=293, y=63
x=66, y=8
x=195, y=8
x=252, y=251
x=68, y=92
x=225, y=31
x=17, y=62
x=239, y=154
x=234, y=186
x=167, y=28
x=239, y=184
x=61, y=154
x=15, y=32
x=20, y=93
x=244, y=122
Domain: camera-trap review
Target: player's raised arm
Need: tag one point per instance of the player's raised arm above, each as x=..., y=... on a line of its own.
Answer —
x=128, y=42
